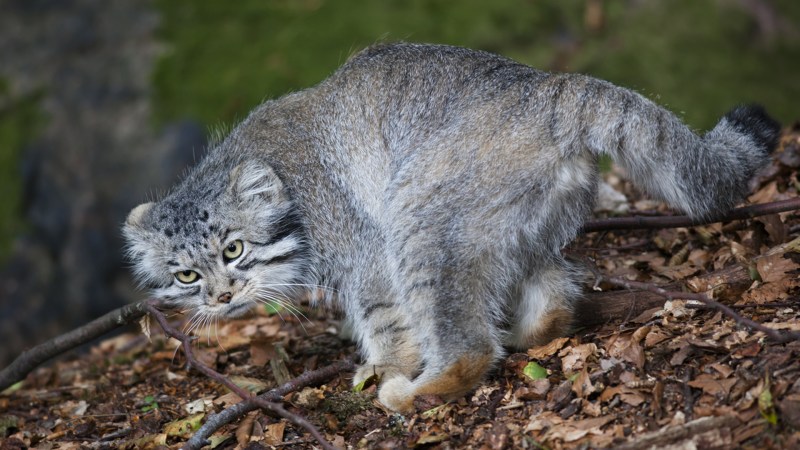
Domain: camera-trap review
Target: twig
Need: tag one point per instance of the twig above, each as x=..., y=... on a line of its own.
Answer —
x=247, y=397
x=674, y=434
x=775, y=335
x=216, y=421
x=31, y=359
x=638, y=222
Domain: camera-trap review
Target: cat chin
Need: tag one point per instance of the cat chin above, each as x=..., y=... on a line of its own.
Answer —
x=238, y=311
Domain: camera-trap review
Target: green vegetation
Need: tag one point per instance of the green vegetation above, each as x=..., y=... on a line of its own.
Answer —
x=697, y=56
x=19, y=120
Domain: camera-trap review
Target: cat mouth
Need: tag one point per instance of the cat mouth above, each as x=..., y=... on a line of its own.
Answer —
x=238, y=309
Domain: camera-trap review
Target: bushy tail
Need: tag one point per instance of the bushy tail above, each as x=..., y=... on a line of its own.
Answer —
x=702, y=176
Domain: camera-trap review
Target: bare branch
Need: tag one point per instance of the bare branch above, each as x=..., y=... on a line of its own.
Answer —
x=32, y=358
x=247, y=397
x=639, y=222
x=228, y=415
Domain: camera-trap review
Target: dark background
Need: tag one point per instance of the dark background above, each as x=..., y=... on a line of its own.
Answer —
x=103, y=104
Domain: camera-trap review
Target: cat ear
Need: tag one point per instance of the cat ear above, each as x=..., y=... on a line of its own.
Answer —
x=137, y=214
x=255, y=180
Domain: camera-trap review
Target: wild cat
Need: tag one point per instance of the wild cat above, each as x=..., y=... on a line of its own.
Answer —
x=433, y=188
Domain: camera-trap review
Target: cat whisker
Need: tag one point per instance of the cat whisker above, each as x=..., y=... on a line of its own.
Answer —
x=289, y=307
x=285, y=302
x=216, y=334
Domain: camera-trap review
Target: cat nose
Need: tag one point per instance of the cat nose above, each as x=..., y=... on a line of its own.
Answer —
x=225, y=298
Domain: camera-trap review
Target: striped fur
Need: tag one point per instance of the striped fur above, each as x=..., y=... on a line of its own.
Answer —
x=432, y=188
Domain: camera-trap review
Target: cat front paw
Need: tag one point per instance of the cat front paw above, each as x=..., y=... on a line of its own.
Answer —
x=397, y=392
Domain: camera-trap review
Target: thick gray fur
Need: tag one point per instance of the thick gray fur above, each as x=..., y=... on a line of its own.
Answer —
x=433, y=189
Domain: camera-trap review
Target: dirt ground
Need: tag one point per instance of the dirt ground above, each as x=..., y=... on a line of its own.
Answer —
x=678, y=376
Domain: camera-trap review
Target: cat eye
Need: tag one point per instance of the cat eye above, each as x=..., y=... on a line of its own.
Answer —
x=187, y=276
x=233, y=250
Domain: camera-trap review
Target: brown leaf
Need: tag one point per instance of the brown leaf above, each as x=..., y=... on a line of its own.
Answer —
x=547, y=350
x=713, y=386
x=261, y=351
x=574, y=358
x=723, y=369
x=655, y=337
x=273, y=433
x=774, y=267
x=775, y=227
x=244, y=432
x=628, y=395
x=680, y=356
x=790, y=410
x=679, y=272
x=536, y=390
x=572, y=431
x=582, y=386
x=628, y=349
x=432, y=436
x=748, y=351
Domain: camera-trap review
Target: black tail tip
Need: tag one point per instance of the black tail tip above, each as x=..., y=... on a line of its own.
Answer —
x=754, y=121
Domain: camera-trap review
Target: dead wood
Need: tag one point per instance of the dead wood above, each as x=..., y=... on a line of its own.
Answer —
x=641, y=222
x=704, y=429
x=32, y=358
x=246, y=396
x=597, y=308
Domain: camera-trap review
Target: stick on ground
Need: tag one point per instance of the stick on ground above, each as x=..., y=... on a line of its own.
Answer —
x=640, y=222
x=32, y=358
x=247, y=397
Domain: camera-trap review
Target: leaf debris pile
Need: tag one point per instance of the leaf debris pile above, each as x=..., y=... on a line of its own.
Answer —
x=677, y=375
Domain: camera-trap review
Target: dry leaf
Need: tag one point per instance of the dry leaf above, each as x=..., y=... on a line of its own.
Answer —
x=627, y=348
x=655, y=337
x=547, y=350
x=574, y=358
x=543, y=421
x=572, y=431
x=582, y=386
x=273, y=433
x=246, y=428
x=144, y=324
x=184, y=427
x=713, y=386
x=626, y=394
x=773, y=268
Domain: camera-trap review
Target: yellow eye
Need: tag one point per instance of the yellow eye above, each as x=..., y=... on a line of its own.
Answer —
x=233, y=250
x=187, y=276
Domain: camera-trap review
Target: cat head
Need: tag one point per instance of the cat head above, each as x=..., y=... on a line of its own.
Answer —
x=220, y=243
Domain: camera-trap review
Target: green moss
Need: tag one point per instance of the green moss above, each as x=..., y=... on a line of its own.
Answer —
x=223, y=60
x=697, y=57
x=19, y=120
x=345, y=405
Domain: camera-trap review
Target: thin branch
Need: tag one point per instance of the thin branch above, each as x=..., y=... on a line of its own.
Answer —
x=678, y=433
x=773, y=334
x=639, y=222
x=247, y=397
x=228, y=415
x=32, y=358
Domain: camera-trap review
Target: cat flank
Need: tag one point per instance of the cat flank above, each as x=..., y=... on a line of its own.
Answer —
x=431, y=190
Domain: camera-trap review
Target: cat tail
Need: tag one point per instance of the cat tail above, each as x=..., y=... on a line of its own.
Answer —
x=704, y=176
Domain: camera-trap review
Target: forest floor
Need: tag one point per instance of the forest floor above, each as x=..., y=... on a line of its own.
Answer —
x=679, y=376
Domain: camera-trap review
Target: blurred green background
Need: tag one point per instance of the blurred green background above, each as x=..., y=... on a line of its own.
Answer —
x=696, y=57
